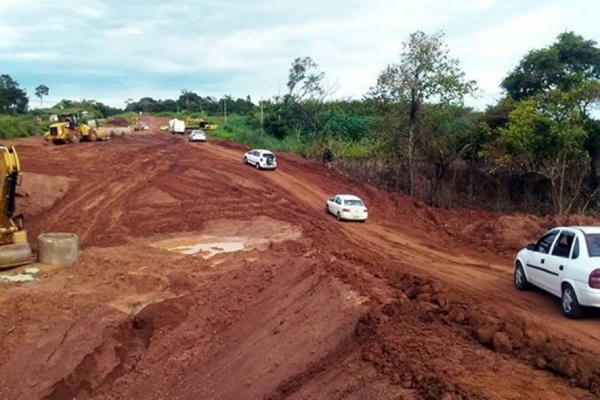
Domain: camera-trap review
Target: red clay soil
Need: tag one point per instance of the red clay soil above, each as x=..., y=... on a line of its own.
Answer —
x=416, y=303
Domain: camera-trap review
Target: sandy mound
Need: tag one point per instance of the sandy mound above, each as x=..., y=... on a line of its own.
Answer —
x=38, y=192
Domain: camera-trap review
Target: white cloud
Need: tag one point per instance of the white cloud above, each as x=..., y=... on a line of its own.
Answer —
x=113, y=49
x=30, y=56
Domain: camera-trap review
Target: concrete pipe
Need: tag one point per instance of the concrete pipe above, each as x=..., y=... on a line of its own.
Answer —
x=58, y=248
x=92, y=124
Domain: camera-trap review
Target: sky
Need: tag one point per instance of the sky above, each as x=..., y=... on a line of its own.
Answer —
x=114, y=50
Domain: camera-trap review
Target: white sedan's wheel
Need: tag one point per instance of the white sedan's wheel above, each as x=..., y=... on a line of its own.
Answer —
x=339, y=216
x=570, y=304
x=245, y=160
x=519, y=278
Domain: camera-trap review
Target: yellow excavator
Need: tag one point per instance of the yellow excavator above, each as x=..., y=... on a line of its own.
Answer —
x=199, y=123
x=14, y=247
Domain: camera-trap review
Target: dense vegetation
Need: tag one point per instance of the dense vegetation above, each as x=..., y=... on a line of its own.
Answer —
x=536, y=150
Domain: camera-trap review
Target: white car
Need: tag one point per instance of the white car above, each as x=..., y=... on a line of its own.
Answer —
x=197, y=135
x=261, y=159
x=347, y=207
x=565, y=262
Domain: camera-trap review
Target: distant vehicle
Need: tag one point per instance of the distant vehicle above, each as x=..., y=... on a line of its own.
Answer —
x=261, y=159
x=347, y=207
x=177, y=126
x=197, y=135
x=565, y=262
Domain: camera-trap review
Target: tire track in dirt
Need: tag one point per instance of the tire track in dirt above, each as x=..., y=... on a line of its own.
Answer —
x=493, y=282
x=111, y=186
x=410, y=335
x=464, y=271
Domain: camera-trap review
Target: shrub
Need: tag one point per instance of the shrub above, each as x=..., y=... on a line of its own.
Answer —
x=21, y=126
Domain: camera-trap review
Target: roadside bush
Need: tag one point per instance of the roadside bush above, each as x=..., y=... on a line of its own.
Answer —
x=21, y=126
x=239, y=129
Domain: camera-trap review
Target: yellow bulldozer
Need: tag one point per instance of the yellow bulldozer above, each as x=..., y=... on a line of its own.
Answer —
x=137, y=124
x=72, y=131
x=14, y=247
x=199, y=123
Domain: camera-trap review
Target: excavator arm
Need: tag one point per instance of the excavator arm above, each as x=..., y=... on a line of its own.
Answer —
x=14, y=247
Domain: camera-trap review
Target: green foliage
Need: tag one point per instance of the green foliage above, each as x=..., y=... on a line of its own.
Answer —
x=303, y=80
x=276, y=126
x=191, y=102
x=97, y=109
x=449, y=133
x=21, y=126
x=541, y=133
x=564, y=65
x=424, y=72
x=40, y=91
x=239, y=129
x=13, y=99
x=348, y=128
x=243, y=129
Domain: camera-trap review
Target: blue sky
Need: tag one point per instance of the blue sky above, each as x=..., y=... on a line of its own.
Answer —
x=113, y=50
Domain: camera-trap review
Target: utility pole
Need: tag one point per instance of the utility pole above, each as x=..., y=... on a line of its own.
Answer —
x=262, y=116
x=225, y=109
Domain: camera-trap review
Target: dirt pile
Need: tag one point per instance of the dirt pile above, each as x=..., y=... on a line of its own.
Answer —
x=38, y=192
x=434, y=370
x=117, y=122
x=507, y=234
x=415, y=304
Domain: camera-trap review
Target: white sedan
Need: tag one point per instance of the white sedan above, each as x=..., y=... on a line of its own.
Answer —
x=197, y=135
x=564, y=262
x=347, y=207
x=261, y=159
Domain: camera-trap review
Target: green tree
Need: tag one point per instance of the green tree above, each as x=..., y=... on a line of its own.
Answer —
x=448, y=133
x=545, y=135
x=425, y=72
x=563, y=65
x=13, y=99
x=307, y=95
x=571, y=66
x=41, y=91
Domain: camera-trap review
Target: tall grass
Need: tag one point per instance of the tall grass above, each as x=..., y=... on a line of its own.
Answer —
x=244, y=130
x=236, y=129
x=21, y=126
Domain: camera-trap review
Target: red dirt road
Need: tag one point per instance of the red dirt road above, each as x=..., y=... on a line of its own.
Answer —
x=416, y=303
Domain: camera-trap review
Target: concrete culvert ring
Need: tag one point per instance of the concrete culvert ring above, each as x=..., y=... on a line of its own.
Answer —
x=58, y=248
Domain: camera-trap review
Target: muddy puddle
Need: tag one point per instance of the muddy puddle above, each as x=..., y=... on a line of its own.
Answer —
x=231, y=236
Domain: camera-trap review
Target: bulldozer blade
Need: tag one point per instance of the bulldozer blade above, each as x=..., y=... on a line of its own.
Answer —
x=14, y=255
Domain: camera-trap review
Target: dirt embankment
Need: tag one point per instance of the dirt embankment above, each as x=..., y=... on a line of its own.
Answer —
x=200, y=277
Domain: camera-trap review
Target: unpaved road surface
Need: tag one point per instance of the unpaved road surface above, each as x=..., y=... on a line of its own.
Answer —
x=202, y=278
